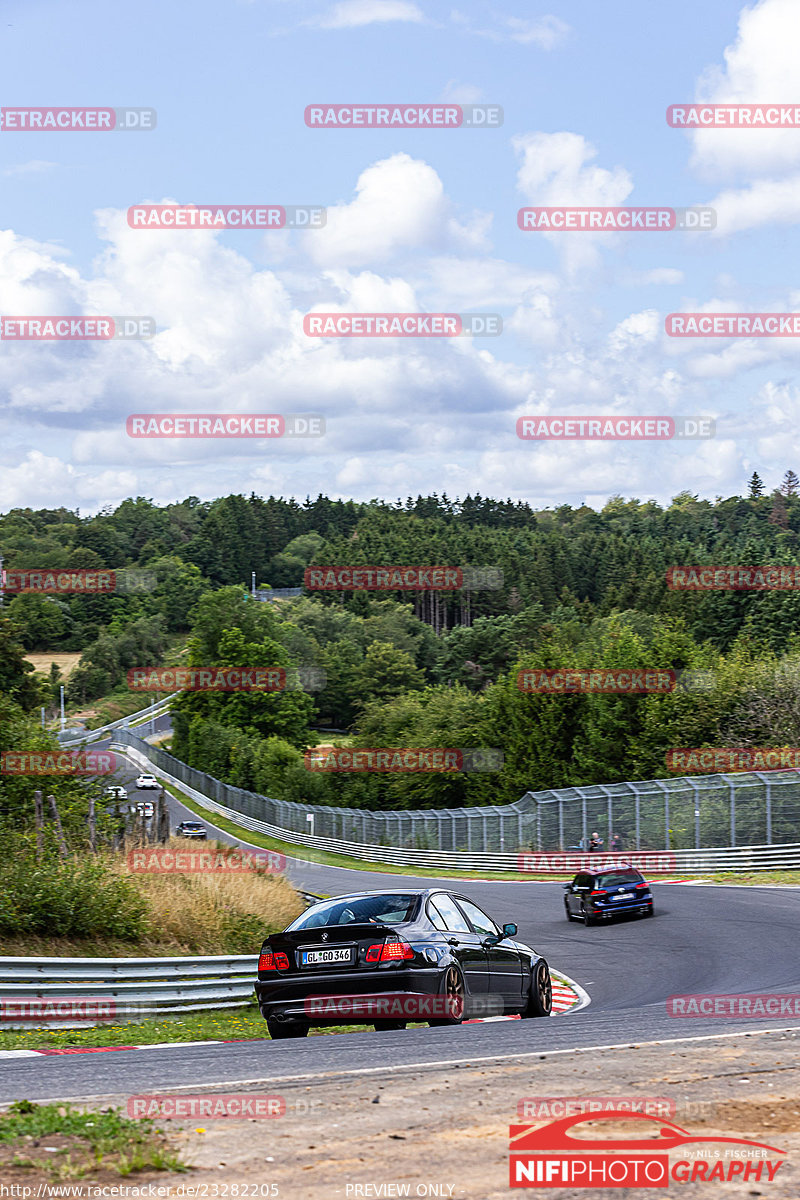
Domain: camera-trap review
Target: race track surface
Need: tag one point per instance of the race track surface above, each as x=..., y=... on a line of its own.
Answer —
x=702, y=940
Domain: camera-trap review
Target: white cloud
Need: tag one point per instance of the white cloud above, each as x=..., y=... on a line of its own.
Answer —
x=36, y=166
x=759, y=67
x=350, y=14
x=557, y=169
x=545, y=32
x=400, y=206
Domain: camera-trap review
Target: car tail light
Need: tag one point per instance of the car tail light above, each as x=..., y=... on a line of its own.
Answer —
x=389, y=952
x=270, y=961
x=599, y=892
x=641, y=885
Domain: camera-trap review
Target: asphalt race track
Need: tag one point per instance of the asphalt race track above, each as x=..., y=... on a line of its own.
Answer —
x=719, y=940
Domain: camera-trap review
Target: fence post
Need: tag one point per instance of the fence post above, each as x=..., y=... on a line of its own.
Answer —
x=696, y=812
x=585, y=834
x=484, y=833
x=560, y=823
x=732, y=785
x=539, y=827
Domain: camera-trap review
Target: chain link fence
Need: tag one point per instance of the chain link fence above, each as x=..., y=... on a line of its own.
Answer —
x=658, y=814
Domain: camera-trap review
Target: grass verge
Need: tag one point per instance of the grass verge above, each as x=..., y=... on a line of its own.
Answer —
x=45, y=1142
x=225, y=1024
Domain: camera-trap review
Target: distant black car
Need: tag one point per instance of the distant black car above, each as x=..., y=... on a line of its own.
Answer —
x=190, y=829
x=387, y=958
x=607, y=894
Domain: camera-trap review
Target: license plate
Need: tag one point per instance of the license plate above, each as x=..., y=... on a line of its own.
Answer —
x=623, y=896
x=338, y=954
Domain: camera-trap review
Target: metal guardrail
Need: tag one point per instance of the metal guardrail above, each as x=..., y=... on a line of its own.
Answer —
x=131, y=988
x=718, y=858
x=92, y=735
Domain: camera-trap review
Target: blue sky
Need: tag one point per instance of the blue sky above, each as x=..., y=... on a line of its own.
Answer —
x=418, y=220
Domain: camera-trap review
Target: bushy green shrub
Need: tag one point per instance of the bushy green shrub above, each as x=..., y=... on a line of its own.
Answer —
x=70, y=898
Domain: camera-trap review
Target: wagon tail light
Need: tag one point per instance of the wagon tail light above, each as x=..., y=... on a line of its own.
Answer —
x=642, y=885
x=389, y=952
x=269, y=961
x=599, y=892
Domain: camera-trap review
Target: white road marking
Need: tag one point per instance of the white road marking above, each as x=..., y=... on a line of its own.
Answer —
x=463, y=1061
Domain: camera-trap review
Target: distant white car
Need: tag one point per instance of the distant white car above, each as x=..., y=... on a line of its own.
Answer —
x=114, y=792
x=147, y=781
x=145, y=808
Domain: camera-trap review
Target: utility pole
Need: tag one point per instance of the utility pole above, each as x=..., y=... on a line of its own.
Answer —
x=252, y=583
x=63, y=719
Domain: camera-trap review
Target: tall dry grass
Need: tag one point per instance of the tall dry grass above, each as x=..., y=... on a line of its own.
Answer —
x=213, y=913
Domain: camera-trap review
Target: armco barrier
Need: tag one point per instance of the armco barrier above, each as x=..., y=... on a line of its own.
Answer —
x=92, y=735
x=136, y=987
x=719, y=858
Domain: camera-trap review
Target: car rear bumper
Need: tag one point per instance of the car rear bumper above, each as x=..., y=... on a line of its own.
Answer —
x=609, y=910
x=352, y=998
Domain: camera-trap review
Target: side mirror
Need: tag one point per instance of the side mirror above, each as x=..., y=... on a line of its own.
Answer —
x=509, y=930
x=567, y=887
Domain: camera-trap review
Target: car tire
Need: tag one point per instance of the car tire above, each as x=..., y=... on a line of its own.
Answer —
x=382, y=1026
x=286, y=1029
x=651, y=911
x=540, y=992
x=587, y=920
x=569, y=915
x=453, y=988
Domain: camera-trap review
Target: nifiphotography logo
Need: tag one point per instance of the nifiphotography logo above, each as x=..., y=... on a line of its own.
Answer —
x=560, y=1155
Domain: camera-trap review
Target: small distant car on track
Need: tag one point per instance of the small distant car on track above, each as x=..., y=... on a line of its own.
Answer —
x=191, y=829
x=115, y=792
x=603, y=895
x=145, y=808
x=147, y=781
x=422, y=955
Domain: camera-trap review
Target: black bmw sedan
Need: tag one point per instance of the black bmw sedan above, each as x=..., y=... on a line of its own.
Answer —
x=387, y=958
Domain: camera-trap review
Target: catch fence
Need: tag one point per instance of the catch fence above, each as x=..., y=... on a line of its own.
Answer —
x=684, y=813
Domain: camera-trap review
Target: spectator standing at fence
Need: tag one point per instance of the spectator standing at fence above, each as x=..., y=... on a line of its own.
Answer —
x=616, y=842
x=595, y=842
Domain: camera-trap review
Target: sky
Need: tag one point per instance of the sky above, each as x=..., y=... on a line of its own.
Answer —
x=417, y=221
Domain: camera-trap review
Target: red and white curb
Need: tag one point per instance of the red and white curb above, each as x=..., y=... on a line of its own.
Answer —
x=568, y=996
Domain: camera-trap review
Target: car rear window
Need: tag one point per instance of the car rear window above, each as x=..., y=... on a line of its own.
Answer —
x=390, y=909
x=618, y=878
